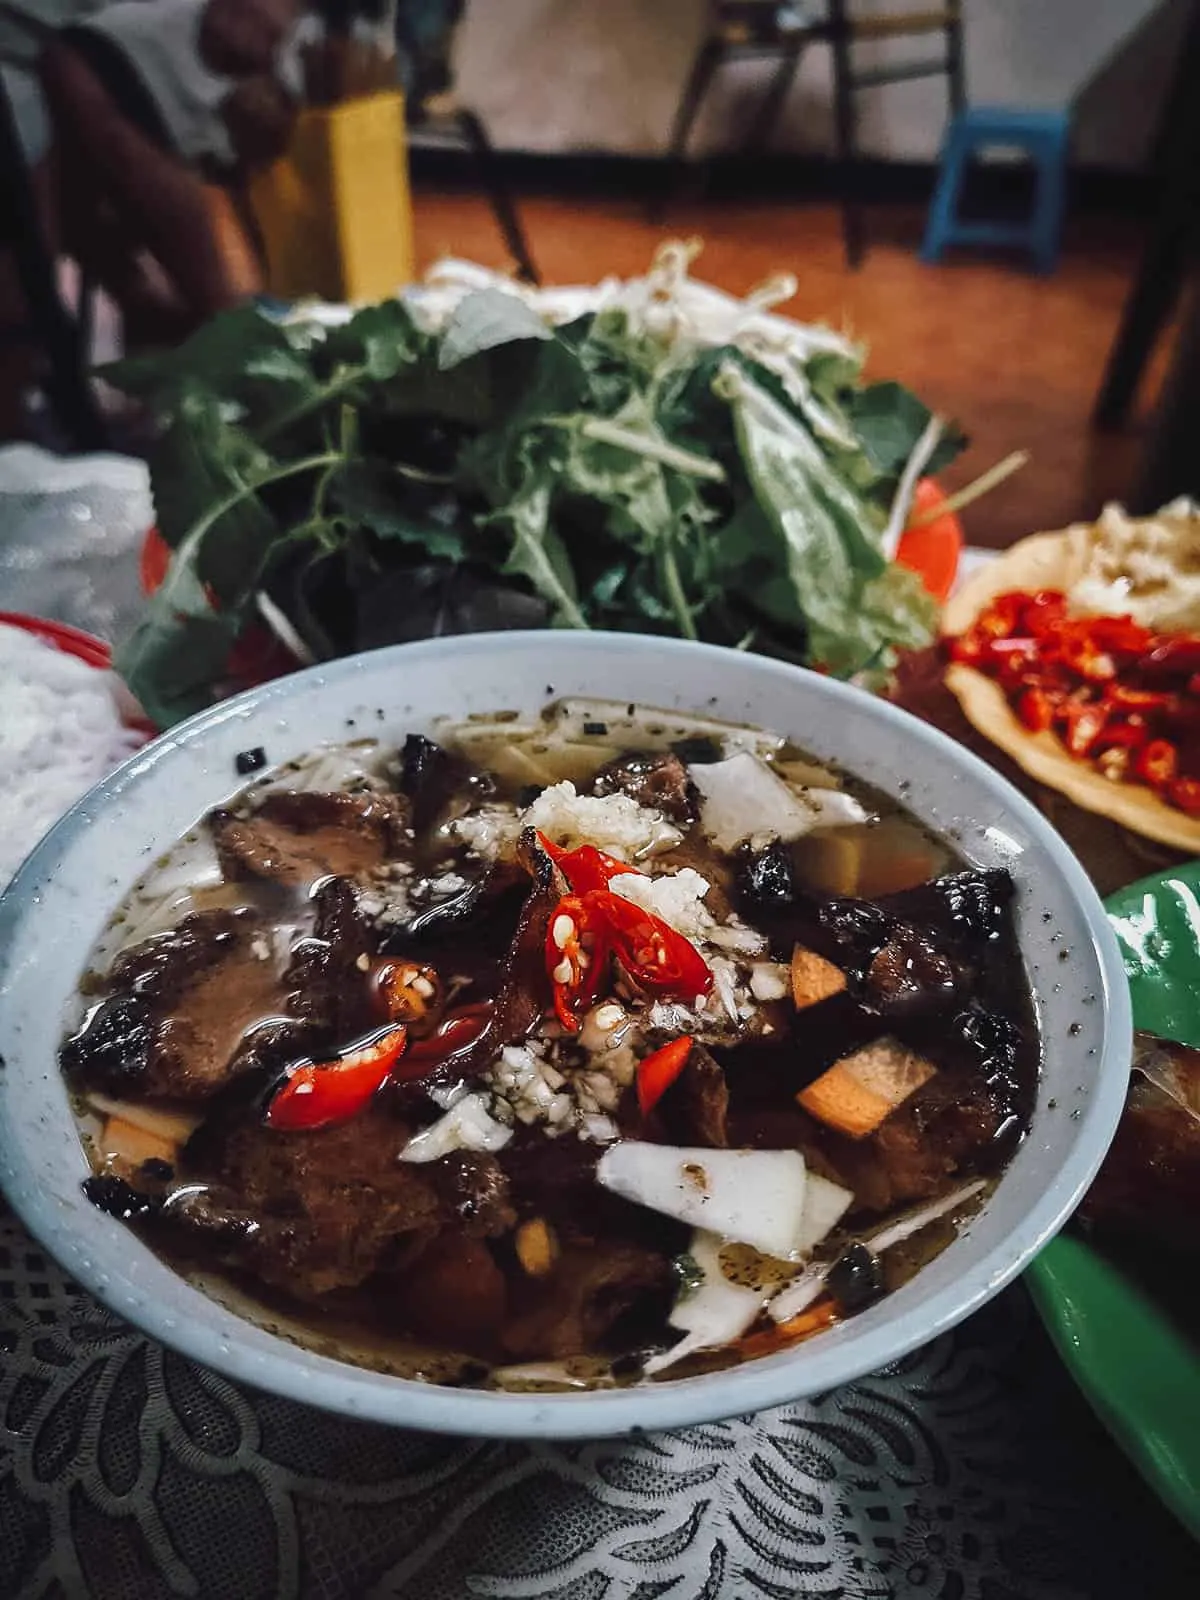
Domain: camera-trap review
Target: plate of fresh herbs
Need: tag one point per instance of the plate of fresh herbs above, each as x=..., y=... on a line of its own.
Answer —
x=649, y=456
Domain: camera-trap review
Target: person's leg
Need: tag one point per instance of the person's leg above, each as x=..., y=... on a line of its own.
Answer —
x=155, y=202
x=18, y=355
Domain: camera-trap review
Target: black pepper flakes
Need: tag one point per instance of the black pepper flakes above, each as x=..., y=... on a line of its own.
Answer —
x=595, y=730
x=248, y=761
x=470, y=1375
x=119, y=1199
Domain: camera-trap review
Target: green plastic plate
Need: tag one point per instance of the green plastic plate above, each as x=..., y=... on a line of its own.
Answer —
x=1139, y=1371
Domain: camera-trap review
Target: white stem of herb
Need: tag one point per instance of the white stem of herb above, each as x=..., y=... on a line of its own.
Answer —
x=975, y=490
x=660, y=450
x=913, y=468
x=905, y=1227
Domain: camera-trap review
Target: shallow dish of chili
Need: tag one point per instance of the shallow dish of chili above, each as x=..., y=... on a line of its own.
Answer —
x=1100, y=706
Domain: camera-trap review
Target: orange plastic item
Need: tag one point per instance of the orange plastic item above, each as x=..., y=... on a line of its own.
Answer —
x=933, y=550
x=156, y=558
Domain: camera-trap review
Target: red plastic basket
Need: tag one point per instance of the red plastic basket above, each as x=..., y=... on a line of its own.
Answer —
x=73, y=641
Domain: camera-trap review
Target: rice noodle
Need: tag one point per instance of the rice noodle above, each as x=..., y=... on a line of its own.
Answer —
x=343, y=766
x=904, y=1227
x=61, y=732
x=800, y=1293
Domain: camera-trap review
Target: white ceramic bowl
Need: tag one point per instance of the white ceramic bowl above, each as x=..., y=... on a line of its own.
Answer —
x=63, y=896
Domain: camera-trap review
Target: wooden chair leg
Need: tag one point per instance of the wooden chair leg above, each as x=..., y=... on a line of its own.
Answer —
x=1150, y=305
x=1156, y=289
x=1169, y=467
x=53, y=330
x=708, y=59
x=846, y=148
x=765, y=118
x=956, y=83
x=503, y=207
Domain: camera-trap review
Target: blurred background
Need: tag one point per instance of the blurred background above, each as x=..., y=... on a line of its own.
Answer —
x=163, y=159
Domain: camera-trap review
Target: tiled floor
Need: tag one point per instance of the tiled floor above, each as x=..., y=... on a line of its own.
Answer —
x=1015, y=358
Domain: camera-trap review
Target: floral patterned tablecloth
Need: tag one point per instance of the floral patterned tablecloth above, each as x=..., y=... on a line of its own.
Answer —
x=971, y=1471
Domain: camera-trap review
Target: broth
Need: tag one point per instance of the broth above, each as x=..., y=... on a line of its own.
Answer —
x=591, y=1048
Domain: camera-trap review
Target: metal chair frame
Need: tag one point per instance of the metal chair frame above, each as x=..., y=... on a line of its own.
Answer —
x=786, y=43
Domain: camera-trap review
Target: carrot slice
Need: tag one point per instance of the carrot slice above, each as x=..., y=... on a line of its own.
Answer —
x=813, y=978
x=840, y=1101
x=801, y=1326
x=859, y=1091
x=127, y=1142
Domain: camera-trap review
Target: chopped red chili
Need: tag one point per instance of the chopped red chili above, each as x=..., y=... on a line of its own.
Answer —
x=1102, y=684
x=1157, y=763
x=1185, y=793
x=1084, y=725
x=1036, y=710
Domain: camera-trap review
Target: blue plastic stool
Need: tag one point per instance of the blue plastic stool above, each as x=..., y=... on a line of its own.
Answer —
x=1044, y=135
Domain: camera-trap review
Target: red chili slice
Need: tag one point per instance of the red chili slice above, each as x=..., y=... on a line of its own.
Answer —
x=1171, y=658
x=318, y=1093
x=456, y=1032
x=1157, y=763
x=577, y=954
x=654, y=955
x=585, y=867
x=1185, y=793
x=1125, y=733
x=1036, y=710
x=1041, y=608
x=588, y=929
x=1085, y=724
x=658, y=1071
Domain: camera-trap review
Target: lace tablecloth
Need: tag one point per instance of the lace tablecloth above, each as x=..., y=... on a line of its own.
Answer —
x=972, y=1471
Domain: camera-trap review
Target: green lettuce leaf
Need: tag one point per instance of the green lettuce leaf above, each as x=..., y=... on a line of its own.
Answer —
x=889, y=419
x=485, y=320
